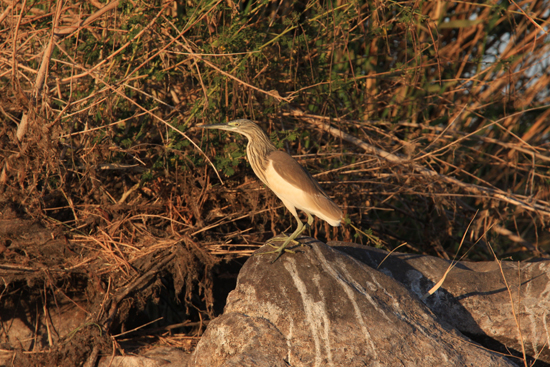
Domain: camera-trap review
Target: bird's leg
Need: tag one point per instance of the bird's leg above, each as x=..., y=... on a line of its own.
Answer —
x=287, y=239
x=292, y=238
x=309, y=219
x=309, y=222
x=279, y=250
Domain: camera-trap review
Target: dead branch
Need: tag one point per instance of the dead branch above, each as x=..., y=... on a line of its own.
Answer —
x=494, y=193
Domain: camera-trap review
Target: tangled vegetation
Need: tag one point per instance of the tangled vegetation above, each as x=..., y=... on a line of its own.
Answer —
x=427, y=122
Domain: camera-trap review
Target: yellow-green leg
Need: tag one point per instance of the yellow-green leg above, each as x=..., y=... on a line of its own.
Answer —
x=279, y=250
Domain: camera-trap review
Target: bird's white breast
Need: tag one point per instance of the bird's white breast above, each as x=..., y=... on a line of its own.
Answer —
x=284, y=190
x=294, y=197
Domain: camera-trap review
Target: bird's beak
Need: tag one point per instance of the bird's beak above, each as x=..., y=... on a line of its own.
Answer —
x=217, y=126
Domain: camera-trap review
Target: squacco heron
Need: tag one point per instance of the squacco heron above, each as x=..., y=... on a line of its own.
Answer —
x=286, y=178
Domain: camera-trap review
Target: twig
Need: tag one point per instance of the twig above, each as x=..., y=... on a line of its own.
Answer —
x=115, y=300
x=445, y=129
x=472, y=188
x=7, y=11
x=90, y=362
x=16, y=30
x=137, y=328
x=120, y=49
x=65, y=31
x=514, y=237
x=132, y=101
x=528, y=17
x=163, y=328
x=484, y=139
x=389, y=254
x=452, y=264
x=57, y=34
x=269, y=93
x=516, y=319
x=45, y=64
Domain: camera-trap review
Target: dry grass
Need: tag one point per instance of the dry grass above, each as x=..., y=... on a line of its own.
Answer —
x=412, y=116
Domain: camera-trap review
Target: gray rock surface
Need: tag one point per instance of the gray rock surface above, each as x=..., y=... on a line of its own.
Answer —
x=474, y=297
x=321, y=307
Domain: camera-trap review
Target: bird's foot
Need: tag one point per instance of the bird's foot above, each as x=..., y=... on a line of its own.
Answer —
x=282, y=239
x=278, y=250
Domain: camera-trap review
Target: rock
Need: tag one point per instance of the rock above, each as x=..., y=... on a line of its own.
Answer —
x=157, y=357
x=474, y=297
x=237, y=339
x=322, y=307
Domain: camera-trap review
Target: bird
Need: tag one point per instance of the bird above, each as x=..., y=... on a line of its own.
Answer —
x=290, y=182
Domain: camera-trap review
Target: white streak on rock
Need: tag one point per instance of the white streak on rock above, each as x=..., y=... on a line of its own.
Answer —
x=310, y=310
x=349, y=292
x=326, y=319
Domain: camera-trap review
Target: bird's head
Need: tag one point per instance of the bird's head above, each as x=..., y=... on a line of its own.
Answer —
x=245, y=127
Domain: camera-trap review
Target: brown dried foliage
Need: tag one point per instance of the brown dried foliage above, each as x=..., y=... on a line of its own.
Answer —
x=414, y=116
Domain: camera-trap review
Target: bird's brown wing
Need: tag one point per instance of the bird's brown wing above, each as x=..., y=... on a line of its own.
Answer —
x=292, y=172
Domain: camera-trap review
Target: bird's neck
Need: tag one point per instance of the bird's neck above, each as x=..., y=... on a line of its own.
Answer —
x=260, y=150
x=257, y=154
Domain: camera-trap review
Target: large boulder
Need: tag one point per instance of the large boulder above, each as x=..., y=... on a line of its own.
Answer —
x=323, y=307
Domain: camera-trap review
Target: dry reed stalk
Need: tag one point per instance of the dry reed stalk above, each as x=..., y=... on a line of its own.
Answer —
x=543, y=208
